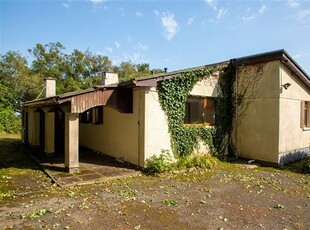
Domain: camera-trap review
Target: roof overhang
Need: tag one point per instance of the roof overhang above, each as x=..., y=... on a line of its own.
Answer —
x=151, y=81
x=80, y=101
x=278, y=55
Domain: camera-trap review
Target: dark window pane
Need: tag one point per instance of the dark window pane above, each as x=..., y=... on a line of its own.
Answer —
x=99, y=115
x=200, y=110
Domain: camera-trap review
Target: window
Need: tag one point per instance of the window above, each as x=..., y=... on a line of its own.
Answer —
x=86, y=117
x=92, y=116
x=200, y=110
x=304, y=114
x=98, y=115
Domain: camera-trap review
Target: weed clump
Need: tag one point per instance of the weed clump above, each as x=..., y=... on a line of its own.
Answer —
x=166, y=163
x=159, y=164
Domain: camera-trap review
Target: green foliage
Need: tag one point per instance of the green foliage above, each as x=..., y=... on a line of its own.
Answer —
x=128, y=70
x=225, y=112
x=128, y=193
x=9, y=121
x=173, y=95
x=8, y=194
x=83, y=206
x=306, y=166
x=170, y=202
x=197, y=161
x=159, y=164
x=165, y=163
x=35, y=214
x=78, y=70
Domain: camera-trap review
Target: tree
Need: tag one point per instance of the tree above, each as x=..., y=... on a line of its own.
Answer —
x=21, y=82
x=73, y=71
x=48, y=60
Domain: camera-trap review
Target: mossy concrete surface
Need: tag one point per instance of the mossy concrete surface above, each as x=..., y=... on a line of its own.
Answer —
x=226, y=197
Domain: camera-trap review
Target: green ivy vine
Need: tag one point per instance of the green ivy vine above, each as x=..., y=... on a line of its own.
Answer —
x=173, y=95
x=225, y=112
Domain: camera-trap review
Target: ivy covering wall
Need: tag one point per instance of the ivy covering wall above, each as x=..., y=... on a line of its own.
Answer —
x=173, y=95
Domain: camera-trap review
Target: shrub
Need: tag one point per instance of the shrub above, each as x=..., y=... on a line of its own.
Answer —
x=306, y=165
x=164, y=162
x=159, y=164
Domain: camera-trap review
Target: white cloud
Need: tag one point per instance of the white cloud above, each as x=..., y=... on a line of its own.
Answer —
x=303, y=16
x=249, y=18
x=65, y=5
x=156, y=12
x=253, y=15
x=142, y=46
x=293, y=3
x=221, y=13
x=139, y=14
x=301, y=55
x=170, y=25
x=262, y=9
x=95, y=2
x=190, y=20
x=109, y=49
x=212, y=4
x=117, y=44
x=129, y=39
x=135, y=57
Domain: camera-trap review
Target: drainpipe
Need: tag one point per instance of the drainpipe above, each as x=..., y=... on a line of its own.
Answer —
x=139, y=128
x=236, y=118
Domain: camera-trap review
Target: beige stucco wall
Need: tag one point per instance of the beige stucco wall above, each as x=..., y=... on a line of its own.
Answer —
x=117, y=136
x=256, y=129
x=291, y=136
x=140, y=135
x=207, y=87
x=33, y=127
x=157, y=137
x=49, y=144
x=131, y=137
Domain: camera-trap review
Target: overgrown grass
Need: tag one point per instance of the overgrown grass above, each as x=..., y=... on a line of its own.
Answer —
x=17, y=170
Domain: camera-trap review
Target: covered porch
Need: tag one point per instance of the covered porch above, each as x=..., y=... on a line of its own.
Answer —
x=53, y=122
x=93, y=167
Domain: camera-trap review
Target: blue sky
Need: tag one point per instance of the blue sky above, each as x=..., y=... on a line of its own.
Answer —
x=166, y=33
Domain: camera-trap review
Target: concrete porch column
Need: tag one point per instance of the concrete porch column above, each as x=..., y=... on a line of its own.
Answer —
x=49, y=135
x=72, y=142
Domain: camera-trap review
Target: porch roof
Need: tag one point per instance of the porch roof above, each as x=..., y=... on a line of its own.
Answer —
x=80, y=101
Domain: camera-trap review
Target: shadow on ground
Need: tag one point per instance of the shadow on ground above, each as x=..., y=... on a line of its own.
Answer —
x=93, y=167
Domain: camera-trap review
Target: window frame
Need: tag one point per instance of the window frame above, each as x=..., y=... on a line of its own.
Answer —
x=305, y=115
x=86, y=117
x=98, y=115
x=93, y=116
x=206, y=106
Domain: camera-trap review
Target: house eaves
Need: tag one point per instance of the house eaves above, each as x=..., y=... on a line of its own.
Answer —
x=277, y=55
x=151, y=81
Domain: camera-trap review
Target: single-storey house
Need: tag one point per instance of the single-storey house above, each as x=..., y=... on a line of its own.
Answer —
x=125, y=120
